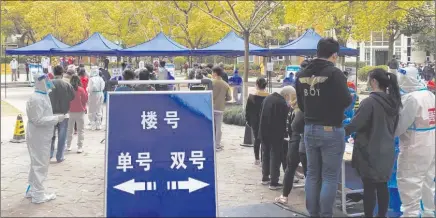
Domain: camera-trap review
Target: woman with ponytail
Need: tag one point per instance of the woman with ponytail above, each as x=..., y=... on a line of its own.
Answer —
x=373, y=154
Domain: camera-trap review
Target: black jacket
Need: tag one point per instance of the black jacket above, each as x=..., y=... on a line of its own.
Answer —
x=322, y=93
x=252, y=111
x=374, y=123
x=272, y=125
x=61, y=96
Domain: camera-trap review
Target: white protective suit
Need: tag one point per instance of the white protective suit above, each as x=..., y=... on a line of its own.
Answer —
x=416, y=161
x=40, y=126
x=96, y=86
x=141, y=65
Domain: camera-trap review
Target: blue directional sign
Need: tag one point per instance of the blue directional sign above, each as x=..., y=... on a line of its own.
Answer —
x=160, y=156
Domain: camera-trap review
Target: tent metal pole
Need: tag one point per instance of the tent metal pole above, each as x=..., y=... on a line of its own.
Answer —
x=18, y=68
x=357, y=67
x=5, y=73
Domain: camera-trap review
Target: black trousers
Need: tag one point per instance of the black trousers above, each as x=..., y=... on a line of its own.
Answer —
x=272, y=158
x=294, y=157
x=256, y=145
x=375, y=192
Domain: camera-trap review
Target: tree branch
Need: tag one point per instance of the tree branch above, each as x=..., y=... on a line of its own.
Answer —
x=228, y=14
x=219, y=19
x=236, y=16
x=254, y=15
x=264, y=16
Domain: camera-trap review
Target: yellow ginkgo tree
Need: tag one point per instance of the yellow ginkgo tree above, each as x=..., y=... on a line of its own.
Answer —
x=243, y=17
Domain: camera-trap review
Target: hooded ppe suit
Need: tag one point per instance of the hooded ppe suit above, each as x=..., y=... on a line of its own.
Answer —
x=416, y=161
x=95, y=101
x=39, y=133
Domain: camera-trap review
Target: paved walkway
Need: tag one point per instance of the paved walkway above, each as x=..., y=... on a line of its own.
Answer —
x=79, y=181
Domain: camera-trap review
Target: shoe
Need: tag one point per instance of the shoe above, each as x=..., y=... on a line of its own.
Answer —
x=63, y=159
x=69, y=148
x=80, y=150
x=219, y=148
x=296, y=180
x=45, y=198
x=93, y=128
x=75, y=132
x=257, y=162
x=265, y=182
x=300, y=184
x=276, y=186
x=98, y=127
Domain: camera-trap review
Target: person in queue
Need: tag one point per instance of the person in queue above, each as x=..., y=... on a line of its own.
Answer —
x=162, y=75
x=296, y=153
x=373, y=153
x=60, y=98
x=40, y=123
x=252, y=113
x=416, y=161
x=221, y=94
x=272, y=128
x=323, y=95
x=235, y=83
x=96, y=86
x=127, y=75
x=144, y=74
x=77, y=114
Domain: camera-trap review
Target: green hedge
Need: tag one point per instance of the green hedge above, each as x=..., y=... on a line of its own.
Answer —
x=234, y=115
x=353, y=64
x=362, y=74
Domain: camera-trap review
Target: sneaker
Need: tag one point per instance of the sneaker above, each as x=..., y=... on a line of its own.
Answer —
x=296, y=180
x=276, y=186
x=98, y=127
x=68, y=148
x=257, y=162
x=219, y=148
x=265, y=182
x=300, y=184
x=93, y=127
x=63, y=159
x=80, y=150
x=75, y=132
x=45, y=198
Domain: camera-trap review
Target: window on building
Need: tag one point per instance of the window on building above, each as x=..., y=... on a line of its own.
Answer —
x=408, y=59
x=277, y=58
x=250, y=59
x=409, y=51
x=378, y=39
x=398, y=42
x=367, y=56
x=398, y=53
x=409, y=41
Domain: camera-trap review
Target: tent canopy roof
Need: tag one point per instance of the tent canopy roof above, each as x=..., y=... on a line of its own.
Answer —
x=307, y=44
x=96, y=44
x=160, y=45
x=41, y=47
x=230, y=45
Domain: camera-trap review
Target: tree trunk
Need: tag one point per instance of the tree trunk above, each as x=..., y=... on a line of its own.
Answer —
x=246, y=66
x=391, y=46
x=265, y=63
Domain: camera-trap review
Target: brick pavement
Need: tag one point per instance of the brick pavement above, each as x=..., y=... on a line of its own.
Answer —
x=79, y=181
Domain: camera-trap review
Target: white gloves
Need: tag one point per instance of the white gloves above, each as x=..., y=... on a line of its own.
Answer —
x=63, y=117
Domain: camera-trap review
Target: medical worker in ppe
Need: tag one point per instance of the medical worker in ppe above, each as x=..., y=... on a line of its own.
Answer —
x=95, y=89
x=141, y=66
x=416, y=161
x=39, y=133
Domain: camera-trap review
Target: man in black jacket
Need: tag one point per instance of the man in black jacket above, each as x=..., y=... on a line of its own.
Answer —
x=272, y=129
x=323, y=95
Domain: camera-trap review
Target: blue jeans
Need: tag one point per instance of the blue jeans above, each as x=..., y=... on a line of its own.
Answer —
x=61, y=128
x=324, y=149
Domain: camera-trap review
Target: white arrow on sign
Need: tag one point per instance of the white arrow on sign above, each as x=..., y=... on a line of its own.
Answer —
x=192, y=184
x=131, y=186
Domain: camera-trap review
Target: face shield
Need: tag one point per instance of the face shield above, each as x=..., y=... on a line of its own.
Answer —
x=409, y=80
x=43, y=84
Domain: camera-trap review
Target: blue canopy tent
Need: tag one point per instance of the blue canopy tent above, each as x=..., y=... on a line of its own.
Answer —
x=306, y=44
x=231, y=45
x=160, y=45
x=42, y=47
x=93, y=46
